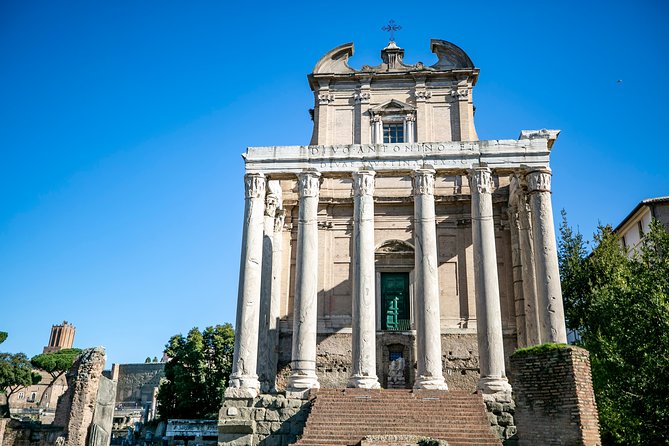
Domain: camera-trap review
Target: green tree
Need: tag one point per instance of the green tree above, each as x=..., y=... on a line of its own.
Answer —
x=3, y=336
x=196, y=373
x=55, y=364
x=620, y=308
x=16, y=373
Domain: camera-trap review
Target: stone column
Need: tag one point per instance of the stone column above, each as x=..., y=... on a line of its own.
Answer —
x=429, y=373
x=363, y=372
x=488, y=314
x=410, y=129
x=266, y=347
x=528, y=271
x=243, y=381
x=305, y=317
x=549, y=291
x=377, y=130
x=516, y=262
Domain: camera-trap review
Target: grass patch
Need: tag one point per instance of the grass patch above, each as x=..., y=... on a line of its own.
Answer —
x=539, y=349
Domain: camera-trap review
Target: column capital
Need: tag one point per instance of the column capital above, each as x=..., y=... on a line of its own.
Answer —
x=279, y=218
x=539, y=180
x=423, y=181
x=254, y=185
x=308, y=183
x=363, y=182
x=481, y=179
x=271, y=204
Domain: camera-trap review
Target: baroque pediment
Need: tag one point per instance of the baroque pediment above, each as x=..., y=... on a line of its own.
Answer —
x=395, y=247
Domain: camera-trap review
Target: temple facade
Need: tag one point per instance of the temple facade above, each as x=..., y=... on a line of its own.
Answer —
x=396, y=250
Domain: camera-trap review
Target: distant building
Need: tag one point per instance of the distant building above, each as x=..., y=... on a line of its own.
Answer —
x=136, y=391
x=637, y=223
x=62, y=336
x=39, y=401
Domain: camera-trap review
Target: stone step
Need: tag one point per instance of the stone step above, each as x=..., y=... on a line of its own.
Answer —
x=344, y=417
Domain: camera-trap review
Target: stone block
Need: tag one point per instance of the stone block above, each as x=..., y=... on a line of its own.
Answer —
x=505, y=419
x=272, y=415
x=237, y=426
x=236, y=440
x=259, y=414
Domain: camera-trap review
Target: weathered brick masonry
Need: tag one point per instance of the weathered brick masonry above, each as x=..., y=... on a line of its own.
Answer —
x=555, y=402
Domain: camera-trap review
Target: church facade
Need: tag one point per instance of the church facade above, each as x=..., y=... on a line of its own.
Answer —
x=396, y=250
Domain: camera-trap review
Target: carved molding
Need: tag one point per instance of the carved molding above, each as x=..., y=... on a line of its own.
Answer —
x=423, y=182
x=362, y=96
x=423, y=95
x=481, y=179
x=279, y=219
x=460, y=93
x=254, y=185
x=395, y=247
x=308, y=183
x=325, y=98
x=539, y=181
x=363, y=182
x=271, y=205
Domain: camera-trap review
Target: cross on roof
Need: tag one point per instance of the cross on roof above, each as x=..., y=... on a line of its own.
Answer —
x=391, y=27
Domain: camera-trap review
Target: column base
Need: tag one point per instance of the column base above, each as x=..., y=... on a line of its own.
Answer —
x=430, y=383
x=242, y=386
x=493, y=385
x=363, y=382
x=301, y=382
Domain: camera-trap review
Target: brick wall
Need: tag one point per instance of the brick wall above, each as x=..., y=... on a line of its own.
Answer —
x=555, y=402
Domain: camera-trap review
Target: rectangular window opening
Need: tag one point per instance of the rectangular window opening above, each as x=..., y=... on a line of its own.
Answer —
x=393, y=133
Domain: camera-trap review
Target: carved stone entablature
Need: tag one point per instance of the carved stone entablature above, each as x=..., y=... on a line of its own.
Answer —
x=308, y=183
x=549, y=135
x=423, y=182
x=279, y=219
x=325, y=98
x=423, y=95
x=481, y=179
x=362, y=96
x=363, y=182
x=539, y=181
x=254, y=185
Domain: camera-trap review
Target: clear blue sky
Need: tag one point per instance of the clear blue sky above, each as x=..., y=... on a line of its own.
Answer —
x=122, y=125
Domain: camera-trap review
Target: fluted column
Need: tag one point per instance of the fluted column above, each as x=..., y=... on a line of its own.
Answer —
x=529, y=277
x=429, y=374
x=488, y=315
x=305, y=317
x=243, y=381
x=549, y=291
x=363, y=373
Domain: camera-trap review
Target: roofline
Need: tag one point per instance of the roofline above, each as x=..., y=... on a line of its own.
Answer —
x=642, y=203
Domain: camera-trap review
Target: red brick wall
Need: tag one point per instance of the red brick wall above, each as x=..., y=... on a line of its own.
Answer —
x=555, y=402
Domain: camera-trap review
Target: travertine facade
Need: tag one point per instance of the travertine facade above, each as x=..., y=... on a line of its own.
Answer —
x=395, y=234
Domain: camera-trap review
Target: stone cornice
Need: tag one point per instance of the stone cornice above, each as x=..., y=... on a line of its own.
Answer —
x=459, y=155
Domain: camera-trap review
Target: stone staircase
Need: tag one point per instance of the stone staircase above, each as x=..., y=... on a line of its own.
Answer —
x=344, y=417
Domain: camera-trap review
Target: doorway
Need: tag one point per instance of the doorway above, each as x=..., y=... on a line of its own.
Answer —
x=395, y=301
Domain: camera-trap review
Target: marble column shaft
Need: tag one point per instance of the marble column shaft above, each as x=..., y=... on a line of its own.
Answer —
x=529, y=275
x=429, y=373
x=549, y=290
x=305, y=317
x=363, y=284
x=243, y=380
x=488, y=314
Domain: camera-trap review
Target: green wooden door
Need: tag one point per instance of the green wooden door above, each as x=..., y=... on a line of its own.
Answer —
x=395, y=301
